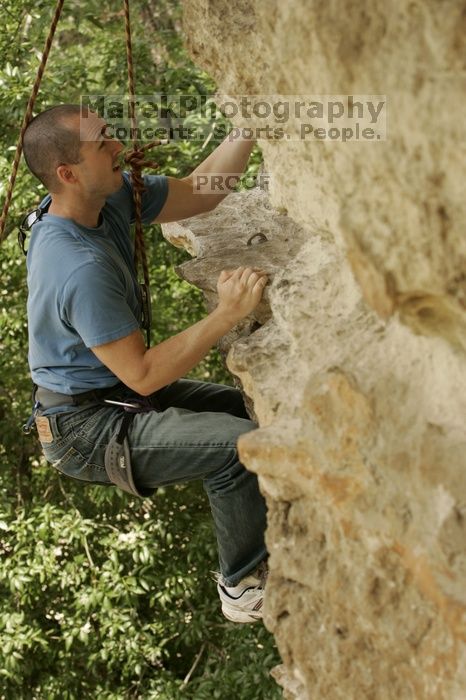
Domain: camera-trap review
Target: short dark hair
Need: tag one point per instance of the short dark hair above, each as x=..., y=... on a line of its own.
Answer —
x=51, y=139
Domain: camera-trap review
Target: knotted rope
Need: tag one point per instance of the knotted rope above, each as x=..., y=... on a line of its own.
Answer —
x=28, y=116
x=135, y=158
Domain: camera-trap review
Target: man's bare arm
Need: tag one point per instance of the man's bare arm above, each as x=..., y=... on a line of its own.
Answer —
x=182, y=202
x=146, y=371
x=184, y=198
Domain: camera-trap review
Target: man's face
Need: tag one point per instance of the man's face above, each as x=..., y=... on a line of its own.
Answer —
x=98, y=172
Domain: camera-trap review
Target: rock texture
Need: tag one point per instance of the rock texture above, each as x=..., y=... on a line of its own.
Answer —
x=355, y=362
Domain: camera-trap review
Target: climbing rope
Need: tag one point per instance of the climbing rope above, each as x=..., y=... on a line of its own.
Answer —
x=134, y=157
x=28, y=116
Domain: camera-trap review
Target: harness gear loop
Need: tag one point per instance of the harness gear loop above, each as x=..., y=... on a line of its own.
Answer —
x=28, y=116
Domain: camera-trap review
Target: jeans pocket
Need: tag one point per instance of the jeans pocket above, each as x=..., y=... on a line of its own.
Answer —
x=72, y=463
x=75, y=422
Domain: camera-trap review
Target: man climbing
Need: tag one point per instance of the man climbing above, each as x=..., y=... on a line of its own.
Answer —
x=97, y=385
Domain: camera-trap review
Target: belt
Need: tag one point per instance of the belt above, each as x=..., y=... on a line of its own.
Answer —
x=51, y=399
x=117, y=459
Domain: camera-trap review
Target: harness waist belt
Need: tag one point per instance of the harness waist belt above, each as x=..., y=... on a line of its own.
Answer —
x=50, y=399
x=117, y=457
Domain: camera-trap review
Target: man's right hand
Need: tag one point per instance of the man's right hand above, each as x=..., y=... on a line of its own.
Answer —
x=240, y=291
x=146, y=371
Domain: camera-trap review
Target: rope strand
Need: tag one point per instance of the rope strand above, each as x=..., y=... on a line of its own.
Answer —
x=27, y=117
x=135, y=158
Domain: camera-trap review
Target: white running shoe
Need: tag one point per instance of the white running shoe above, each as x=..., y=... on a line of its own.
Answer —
x=243, y=603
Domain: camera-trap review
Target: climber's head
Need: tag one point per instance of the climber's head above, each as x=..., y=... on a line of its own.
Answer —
x=51, y=139
x=68, y=150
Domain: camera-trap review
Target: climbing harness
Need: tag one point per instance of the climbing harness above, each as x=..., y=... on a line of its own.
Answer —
x=117, y=459
x=117, y=454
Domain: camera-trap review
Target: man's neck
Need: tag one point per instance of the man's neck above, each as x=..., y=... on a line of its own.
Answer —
x=84, y=213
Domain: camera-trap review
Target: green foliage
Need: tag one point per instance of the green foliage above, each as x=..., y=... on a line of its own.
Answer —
x=104, y=596
x=110, y=596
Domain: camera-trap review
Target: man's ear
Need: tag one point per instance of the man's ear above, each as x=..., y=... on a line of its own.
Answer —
x=65, y=175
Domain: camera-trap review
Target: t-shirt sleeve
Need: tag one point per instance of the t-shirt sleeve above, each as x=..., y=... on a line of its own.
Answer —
x=154, y=197
x=94, y=305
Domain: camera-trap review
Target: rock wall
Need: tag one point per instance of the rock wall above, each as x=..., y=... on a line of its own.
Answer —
x=355, y=362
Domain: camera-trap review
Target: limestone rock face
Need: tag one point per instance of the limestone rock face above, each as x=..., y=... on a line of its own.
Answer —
x=355, y=361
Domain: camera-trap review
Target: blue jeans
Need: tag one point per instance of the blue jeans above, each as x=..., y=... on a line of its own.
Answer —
x=194, y=436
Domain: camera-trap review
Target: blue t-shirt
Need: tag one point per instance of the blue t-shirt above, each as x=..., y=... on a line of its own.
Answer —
x=83, y=289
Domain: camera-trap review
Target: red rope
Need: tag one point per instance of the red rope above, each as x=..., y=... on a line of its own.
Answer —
x=28, y=116
x=135, y=158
